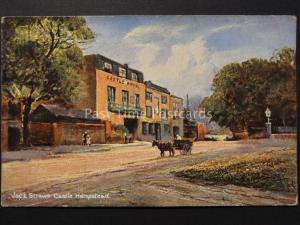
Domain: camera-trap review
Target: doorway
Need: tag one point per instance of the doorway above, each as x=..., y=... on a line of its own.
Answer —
x=175, y=131
x=157, y=131
x=131, y=125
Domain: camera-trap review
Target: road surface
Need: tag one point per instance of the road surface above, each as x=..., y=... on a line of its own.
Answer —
x=131, y=176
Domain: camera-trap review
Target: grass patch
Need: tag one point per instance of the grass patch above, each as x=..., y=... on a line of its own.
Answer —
x=270, y=170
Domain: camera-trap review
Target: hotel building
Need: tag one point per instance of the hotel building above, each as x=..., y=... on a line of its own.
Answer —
x=119, y=94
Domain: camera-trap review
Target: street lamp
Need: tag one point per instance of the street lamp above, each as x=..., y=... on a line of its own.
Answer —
x=268, y=124
x=268, y=114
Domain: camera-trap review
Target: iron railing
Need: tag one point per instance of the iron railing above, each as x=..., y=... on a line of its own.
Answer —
x=124, y=109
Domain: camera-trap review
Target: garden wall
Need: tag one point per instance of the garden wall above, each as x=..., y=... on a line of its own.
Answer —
x=65, y=133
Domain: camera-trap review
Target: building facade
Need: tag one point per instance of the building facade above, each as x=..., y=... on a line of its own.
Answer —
x=114, y=92
x=176, y=123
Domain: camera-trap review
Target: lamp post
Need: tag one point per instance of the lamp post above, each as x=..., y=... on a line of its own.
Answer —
x=268, y=124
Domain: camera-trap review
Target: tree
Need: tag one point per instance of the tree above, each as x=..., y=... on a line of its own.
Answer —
x=282, y=99
x=41, y=60
x=242, y=91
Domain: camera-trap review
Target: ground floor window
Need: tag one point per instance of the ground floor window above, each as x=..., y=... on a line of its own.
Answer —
x=166, y=128
x=152, y=128
x=149, y=128
x=145, y=128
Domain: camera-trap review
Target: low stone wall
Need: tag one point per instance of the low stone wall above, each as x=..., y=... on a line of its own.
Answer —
x=65, y=133
x=285, y=136
x=241, y=134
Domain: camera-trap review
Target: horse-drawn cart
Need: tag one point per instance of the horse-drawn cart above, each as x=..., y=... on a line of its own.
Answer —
x=184, y=146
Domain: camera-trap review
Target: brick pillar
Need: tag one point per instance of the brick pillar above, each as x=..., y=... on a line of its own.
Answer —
x=55, y=135
x=269, y=130
x=108, y=129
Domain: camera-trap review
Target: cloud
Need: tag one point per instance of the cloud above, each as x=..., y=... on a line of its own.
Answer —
x=151, y=34
x=225, y=28
x=186, y=66
x=183, y=53
x=187, y=69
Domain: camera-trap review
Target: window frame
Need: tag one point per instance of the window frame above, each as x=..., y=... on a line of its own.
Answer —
x=149, y=95
x=108, y=94
x=133, y=74
x=136, y=103
x=107, y=69
x=127, y=97
x=164, y=99
x=164, y=112
x=152, y=128
x=149, y=109
x=123, y=72
x=145, y=128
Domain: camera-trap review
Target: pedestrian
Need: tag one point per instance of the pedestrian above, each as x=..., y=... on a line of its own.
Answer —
x=178, y=137
x=86, y=139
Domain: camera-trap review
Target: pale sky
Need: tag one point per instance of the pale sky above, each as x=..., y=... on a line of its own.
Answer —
x=183, y=53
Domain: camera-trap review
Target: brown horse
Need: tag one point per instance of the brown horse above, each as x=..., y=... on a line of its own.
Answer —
x=167, y=146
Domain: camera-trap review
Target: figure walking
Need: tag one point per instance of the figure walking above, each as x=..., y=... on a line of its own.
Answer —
x=86, y=139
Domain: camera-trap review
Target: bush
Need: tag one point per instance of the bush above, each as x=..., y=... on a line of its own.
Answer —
x=232, y=138
x=210, y=139
x=120, y=129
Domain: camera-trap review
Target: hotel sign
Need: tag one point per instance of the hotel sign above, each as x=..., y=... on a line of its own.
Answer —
x=121, y=81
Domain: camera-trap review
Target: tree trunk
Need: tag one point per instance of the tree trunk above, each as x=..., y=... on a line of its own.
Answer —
x=25, y=122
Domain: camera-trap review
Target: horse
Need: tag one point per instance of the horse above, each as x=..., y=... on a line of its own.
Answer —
x=168, y=146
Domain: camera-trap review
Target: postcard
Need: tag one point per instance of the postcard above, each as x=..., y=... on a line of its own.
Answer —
x=143, y=111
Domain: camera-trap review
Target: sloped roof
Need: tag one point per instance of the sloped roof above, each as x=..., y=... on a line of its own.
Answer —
x=71, y=113
x=174, y=96
x=149, y=84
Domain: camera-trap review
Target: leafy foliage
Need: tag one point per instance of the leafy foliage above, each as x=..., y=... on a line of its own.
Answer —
x=120, y=129
x=242, y=91
x=41, y=56
x=41, y=59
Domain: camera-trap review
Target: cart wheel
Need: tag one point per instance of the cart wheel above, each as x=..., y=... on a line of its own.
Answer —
x=190, y=150
x=186, y=149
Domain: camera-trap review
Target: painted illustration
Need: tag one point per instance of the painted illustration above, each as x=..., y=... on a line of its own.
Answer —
x=148, y=111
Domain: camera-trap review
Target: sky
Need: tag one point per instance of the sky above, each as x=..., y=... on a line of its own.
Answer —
x=183, y=53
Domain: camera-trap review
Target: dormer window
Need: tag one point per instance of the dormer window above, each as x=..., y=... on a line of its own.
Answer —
x=122, y=72
x=134, y=76
x=107, y=67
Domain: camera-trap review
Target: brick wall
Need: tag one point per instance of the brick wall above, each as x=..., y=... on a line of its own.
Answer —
x=65, y=133
x=103, y=80
x=41, y=133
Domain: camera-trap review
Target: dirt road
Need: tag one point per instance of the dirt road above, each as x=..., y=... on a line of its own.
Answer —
x=131, y=176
